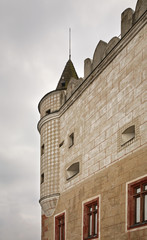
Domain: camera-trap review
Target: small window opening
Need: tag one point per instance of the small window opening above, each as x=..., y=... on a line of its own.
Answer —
x=71, y=140
x=42, y=149
x=128, y=135
x=63, y=84
x=48, y=111
x=61, y=144
x=72, y=171
x=42, y=178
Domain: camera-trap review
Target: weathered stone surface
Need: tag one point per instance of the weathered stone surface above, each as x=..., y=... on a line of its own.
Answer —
x=99, y=53
x=141, y=7
x=126, y=21
x=110, y=184
x=72, y=86
x=87, y=67
x=111, y=45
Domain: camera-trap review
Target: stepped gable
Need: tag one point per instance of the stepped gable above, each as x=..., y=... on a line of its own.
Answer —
x=68, y=73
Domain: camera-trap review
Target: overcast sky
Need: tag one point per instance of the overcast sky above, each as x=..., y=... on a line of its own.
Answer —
x=33, y=53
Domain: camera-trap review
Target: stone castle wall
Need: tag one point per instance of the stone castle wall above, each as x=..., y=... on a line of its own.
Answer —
x=115, y=99
x=111, y=185
x=98, y=111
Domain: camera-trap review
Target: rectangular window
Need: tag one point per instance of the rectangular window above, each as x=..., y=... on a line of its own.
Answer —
x=137, y=203
x=60, y=227
x=91, y=221
x=42, y=149
x=71, y=140
x=42, y=178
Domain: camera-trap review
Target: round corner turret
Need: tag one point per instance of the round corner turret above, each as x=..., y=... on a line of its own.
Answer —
x=51, y=102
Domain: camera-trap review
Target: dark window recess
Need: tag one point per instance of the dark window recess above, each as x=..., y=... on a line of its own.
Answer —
x=128, y=135
x=72, y=171
x=60, y=227
x=42, y=149
x=137, y=203
x=61, y=144
x=63, y=84
x=91, y=220
x=48, y=111
x=42, y=178
x=71, y=140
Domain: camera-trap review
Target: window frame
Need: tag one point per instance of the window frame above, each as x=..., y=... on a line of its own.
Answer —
x=86, y=219
x=132, y=196
x=60, y=217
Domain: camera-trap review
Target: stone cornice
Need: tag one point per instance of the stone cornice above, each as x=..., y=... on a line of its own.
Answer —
x=47, y=118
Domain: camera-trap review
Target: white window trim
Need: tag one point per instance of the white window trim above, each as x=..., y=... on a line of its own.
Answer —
x=64, y=222
x=134, y=229
x=86, y=201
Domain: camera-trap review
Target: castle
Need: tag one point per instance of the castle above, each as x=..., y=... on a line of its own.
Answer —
x=93, y=168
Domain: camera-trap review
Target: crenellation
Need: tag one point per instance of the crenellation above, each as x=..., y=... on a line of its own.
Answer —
x=141, y=7
x=111, y=44
x=99, y=53
x=87, y=67
x=128, y=18
x=126, y=21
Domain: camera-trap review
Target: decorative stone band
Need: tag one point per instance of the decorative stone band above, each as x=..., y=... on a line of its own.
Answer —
x=47, y=118
x=49, y=203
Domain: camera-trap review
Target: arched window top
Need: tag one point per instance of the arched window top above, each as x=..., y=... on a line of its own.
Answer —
x=72, y=171
x=128, y=135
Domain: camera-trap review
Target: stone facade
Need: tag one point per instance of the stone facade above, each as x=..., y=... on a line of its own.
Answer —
x=105, y=113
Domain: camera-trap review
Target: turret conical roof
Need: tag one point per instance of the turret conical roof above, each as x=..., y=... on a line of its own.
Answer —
x=68, y=72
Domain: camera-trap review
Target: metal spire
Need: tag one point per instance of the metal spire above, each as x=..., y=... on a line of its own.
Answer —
x=69, y=43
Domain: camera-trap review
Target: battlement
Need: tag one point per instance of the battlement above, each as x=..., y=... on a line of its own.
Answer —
x=129, y=17
x=69, y=81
